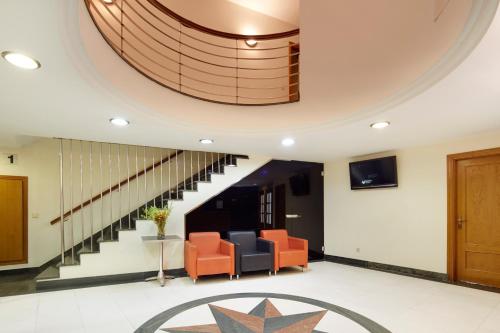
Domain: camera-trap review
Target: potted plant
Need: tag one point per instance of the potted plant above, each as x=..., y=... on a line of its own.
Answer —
x=159, y=216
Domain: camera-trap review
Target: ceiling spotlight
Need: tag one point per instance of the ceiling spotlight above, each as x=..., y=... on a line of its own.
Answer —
x=108, y=2
x=206, y=141
x=380, y=124
x=287, y=142
x=251, y=42
x=20, y=60
x=120, y=122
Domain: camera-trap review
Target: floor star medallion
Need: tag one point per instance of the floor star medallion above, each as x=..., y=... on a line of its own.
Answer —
x=270, y=313
x=264, y=318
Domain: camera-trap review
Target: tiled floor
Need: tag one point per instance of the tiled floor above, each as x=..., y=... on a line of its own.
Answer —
x=399, y=303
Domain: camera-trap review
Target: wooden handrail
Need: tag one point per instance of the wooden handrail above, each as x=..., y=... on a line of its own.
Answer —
x=188, y=23
x=116, y=186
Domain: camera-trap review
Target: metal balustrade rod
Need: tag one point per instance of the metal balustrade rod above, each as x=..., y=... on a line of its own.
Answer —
x=177, y=174
x=205, y=169
x=218, y=163
x=137, y=179
x=81, y=195
x=110, y=194
x=91, y=201
x=128, y=185
x=169, y=182
x=161, y=176
x=191, y=174
x=184, y=168
x=101, y=185
x=145, y=180
x=198, y=158
x=119, y=186
x=154, y=179
x=212, y=161
x=61, y=198
x=71, y=224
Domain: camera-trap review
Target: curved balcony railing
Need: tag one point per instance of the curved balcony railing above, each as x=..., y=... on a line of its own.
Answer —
x=199, y=61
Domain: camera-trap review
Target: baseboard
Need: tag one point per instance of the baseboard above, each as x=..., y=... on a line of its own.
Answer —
x=93, y=281
x=407, y=271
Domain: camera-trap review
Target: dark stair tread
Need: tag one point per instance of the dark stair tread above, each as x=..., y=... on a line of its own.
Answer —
x=51, y=272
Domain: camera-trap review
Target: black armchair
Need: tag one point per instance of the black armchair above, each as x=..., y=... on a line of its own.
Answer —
x=251, y=253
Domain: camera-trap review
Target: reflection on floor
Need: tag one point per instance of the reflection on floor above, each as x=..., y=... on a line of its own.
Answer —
x=398, y=303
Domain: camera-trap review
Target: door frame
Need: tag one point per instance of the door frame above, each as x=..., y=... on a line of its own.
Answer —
x=24, y=260
x=452, y=161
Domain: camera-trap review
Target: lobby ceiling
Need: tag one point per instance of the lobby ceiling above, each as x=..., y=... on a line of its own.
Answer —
x=433, y=79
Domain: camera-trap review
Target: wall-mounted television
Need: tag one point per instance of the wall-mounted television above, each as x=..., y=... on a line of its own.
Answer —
x=375, y=173
x=299, y=184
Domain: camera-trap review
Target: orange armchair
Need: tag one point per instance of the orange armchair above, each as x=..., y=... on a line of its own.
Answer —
x=206, y=254
x=288, y=251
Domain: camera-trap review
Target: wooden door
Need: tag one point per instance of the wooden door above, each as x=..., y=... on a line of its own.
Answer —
x=13, y=220
x=478, y=220
x=280, y=207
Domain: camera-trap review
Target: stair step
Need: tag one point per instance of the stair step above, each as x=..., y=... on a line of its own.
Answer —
x=125, y=229
x=106, y=240
x=51, y=272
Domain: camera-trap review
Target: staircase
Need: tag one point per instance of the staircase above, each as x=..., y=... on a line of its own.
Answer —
x=117, y=249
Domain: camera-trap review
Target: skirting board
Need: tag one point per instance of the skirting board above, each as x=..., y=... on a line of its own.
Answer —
x=428, y=275
x=59, y=284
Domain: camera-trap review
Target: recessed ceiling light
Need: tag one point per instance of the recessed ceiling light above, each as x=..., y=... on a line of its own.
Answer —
x=206, y=141
x=20, y=60
x=120, y=122
x=287, y=142
x=380, y=124
x=108, y=2
x=251, y=42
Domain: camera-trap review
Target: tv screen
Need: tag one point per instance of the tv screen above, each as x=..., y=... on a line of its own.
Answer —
x=300, y=184
x=380, y=172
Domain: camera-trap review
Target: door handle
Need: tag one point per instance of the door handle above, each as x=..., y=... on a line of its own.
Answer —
x=460, y=223
x=293, y=216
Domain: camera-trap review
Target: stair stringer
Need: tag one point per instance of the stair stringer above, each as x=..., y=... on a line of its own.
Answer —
x=129, y=254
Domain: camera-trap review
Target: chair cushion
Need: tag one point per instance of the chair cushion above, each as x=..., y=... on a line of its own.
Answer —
x=209, y=264
x=292, y=258
x=279, y=235
x=206, y=242
x=247, y=240
x=256, y=261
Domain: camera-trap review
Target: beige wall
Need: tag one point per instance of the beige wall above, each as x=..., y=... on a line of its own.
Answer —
x=405, y=226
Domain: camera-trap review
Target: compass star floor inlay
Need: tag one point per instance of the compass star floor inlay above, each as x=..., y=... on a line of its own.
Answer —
x=264, y=318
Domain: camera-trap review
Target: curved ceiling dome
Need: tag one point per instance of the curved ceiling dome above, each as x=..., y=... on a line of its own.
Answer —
x=356, y=59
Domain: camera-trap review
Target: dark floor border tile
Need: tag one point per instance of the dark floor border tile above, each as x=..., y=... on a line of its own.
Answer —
x=94, y=281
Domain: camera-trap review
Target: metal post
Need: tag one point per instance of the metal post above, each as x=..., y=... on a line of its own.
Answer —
x=110, y=194
x=191, y=174
x=128, y=185
x=145, y=179
x=91, y=200
x=71, y=226
x=61, y=203
x=177, y=174
x=218, y=163
x=119, y=186
x=169, y=182
x=212, y=161
x=161, y=176
x=154, y=179
x=184, y=168
x=205, y=169
x=81, y=194
x=199, y=171
x=101, y=186
x=137, y=179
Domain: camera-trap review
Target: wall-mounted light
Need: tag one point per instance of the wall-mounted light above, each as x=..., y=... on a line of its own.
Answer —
x=20, y=60
x=251, y=42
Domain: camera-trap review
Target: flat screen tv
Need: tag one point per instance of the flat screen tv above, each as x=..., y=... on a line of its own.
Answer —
x=376, y=173
x=299, y=184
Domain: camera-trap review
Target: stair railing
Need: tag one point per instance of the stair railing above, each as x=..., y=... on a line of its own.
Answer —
x=112, y=177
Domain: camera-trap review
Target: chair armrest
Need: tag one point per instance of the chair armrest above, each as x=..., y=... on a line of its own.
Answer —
x=227, y=248
x=237, y=257
x=264, y=245
x=190, y=258
x=298, y=243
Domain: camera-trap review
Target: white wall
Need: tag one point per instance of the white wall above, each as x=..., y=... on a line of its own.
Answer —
x=404, y=226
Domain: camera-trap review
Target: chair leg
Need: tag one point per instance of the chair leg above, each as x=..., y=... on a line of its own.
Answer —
x=237, y=276
x=230, y=277
x=194, y=281
x=269, y=273
x=274, y=273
